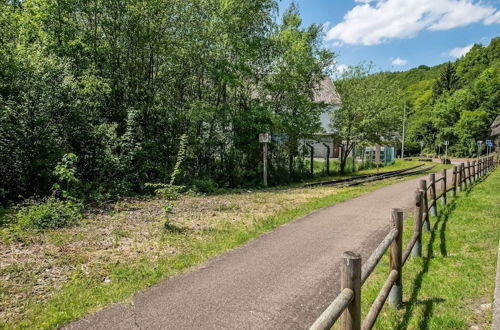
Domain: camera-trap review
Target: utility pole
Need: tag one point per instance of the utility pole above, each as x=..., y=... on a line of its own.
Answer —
x=403, y=141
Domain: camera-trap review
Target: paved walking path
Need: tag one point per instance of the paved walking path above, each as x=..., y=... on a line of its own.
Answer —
x=281, y=280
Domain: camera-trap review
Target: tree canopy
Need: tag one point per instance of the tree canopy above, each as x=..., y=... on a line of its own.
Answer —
x=117, y=83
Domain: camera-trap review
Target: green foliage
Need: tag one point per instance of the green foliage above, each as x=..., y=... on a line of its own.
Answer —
x=166, y=191
x=448, y=81
x=371, y=109
x=456, y=101
x=206, y=186
x=117, y=84
x=49, y=214
x=65, y=172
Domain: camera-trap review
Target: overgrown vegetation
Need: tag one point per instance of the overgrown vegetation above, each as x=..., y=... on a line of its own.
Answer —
x=118, y=83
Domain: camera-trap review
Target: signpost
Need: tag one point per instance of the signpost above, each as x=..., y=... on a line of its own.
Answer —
x=421, y=146
x=439, y=152
x=265, y=139
x=479, y=148
x=446, y=145
x=489, y=143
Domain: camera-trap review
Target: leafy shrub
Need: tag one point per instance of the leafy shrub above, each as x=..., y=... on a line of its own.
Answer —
x=166, y=190
x=207, y=186
x=49, y=214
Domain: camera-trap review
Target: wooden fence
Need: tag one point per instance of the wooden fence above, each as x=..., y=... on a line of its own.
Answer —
x=347, y=305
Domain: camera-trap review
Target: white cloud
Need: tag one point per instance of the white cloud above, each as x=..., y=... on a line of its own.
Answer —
x=341, y=68
x=399, y=62
x=373, y=23
x=493, y=19
x=460, y=51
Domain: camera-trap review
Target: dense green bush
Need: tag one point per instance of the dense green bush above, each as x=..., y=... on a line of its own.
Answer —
x=206, y=186
x=51, y=213
x=102, y=92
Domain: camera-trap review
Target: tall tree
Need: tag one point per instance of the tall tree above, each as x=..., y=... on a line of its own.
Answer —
x=371, y=109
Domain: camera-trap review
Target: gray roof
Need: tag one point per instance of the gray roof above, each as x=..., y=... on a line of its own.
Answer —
x=327, y=93
x=324, y=92
x=495, y=127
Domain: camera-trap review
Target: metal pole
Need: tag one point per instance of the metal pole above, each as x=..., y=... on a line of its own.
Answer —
x=403, y=141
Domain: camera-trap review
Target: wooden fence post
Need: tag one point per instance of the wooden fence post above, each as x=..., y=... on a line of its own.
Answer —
x=465, y=177
x=396, y=261
x=474, y=170
x=416, y=251
x=460, y=176
x=443, y=187
x=454, y=182
x=423, y=187
x=351, y=278
x=433, y=194
x=477, y=169
x=468, y=172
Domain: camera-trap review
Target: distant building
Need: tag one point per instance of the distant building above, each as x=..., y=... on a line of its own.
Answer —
x=495, y=134
x=327, y=94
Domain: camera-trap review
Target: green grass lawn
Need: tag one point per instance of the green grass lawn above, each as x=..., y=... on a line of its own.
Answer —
x=116, y=278
x=452, y=286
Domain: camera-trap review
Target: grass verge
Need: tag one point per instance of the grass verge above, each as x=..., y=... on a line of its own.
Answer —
x=110, y=256
x=452, y=286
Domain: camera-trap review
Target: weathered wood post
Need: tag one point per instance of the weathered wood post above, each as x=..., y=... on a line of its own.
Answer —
x=423, y=187
x=351, y=278
x=474, y=170
x=454, y=182
x=469, y=173
x=464, y=176
x=312, y=160
x=433, y=209
x=416, y=251
x=443, y=187
x=460, y=176
x=396, y=259
x=477, y=170
x=327, y=158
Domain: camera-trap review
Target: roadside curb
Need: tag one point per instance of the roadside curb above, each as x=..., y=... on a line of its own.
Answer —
x=496, y=299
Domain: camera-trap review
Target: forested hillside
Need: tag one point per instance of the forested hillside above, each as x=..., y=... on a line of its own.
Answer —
x=94, y=96
x=453, y=101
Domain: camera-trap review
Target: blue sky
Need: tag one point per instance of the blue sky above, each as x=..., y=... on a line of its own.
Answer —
x=401, y=34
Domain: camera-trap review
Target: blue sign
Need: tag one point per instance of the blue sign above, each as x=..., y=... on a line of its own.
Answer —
x=479, y=143
x=279, y=138
x=489, y=143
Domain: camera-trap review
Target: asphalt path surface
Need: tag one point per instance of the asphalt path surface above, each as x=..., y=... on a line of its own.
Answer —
x=281, y=280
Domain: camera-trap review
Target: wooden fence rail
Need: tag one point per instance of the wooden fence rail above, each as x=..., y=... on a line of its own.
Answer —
x=347, y=305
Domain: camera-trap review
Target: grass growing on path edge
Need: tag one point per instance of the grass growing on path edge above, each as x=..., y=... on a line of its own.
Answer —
x=83, y=294
x=452, y=286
